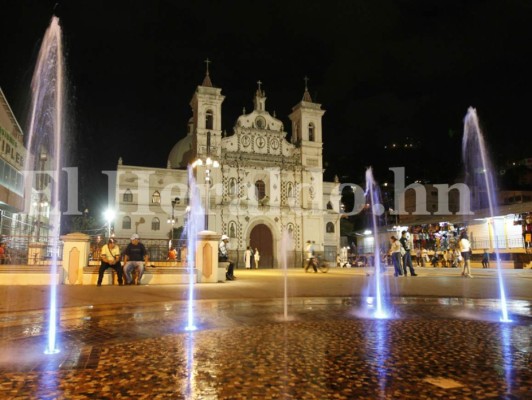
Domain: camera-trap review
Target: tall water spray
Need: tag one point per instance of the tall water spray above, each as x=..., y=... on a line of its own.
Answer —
x=45, y=139
x=286, y=245
x=195, y=224
x=480, y=178
x=376, y=208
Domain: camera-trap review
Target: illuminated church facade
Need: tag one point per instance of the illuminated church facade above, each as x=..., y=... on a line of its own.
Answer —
x=259, y=188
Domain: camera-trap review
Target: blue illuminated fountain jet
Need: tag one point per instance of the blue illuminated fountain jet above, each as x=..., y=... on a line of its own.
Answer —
x=44, y=144
x=377, y=298
x=479, y=176
x=195, y=224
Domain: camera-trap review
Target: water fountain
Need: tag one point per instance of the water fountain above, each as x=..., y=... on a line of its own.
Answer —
x=195, y=224
x=480, y=177
x=377, y=280
x=44, y=149
x=286, y=244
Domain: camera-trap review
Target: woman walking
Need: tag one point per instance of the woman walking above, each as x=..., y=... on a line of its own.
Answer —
x=465, y=251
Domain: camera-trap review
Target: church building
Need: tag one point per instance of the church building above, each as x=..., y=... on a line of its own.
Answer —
x=254, y=184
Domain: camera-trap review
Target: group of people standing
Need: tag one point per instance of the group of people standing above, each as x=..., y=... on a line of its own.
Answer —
x=251, y=258
x=400, y=253
x=134, y=258
x=401, y=257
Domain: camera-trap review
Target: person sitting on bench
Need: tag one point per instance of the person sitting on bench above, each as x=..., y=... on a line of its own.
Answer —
x=224, y=257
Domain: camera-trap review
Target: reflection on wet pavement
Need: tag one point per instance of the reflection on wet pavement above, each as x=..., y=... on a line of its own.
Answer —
x=434, y=348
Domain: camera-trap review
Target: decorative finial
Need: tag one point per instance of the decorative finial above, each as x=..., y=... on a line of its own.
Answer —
x=259, y=83
x=243, y=110
x=306, y=95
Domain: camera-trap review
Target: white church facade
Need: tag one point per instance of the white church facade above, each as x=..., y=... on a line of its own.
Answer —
x=254, y=183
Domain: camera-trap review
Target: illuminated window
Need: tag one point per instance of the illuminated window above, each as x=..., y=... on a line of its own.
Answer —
x=126, y=223
x=156, y=197
x=128, y=196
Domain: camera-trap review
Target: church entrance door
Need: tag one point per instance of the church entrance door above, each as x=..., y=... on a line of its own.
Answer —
x=261, y=238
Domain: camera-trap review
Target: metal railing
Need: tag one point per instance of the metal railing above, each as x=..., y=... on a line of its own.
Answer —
x=19, y=251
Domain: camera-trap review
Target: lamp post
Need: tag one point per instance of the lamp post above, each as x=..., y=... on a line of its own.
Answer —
x=209, y=164
x=172, y=220
x=109, y=217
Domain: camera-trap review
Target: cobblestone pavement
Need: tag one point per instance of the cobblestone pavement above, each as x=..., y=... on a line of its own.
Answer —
x=324, y=348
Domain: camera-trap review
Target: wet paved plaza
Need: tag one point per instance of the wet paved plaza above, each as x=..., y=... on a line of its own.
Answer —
x=244, y=348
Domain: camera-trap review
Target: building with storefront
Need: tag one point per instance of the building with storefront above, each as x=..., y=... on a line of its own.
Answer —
x=12, y=157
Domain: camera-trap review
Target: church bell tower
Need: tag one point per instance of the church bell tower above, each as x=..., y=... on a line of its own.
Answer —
x=206, y=107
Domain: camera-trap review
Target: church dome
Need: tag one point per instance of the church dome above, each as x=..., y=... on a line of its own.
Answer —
x=181, y=154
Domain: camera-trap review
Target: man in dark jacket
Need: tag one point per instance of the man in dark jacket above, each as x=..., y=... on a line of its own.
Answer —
x=135, y=257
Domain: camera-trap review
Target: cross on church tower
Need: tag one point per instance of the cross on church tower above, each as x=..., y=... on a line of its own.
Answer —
x=207, y=80
x=306, y=94
x=260, y=98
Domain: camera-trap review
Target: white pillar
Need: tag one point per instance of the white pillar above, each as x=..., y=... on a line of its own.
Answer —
x=75, y=256
x=207, y=256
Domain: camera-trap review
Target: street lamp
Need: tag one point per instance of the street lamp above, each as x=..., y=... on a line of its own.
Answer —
x=172, y=220
x=109, y=217
x=209, y=163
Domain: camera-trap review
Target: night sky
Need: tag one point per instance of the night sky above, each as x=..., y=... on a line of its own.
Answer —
x=383, y=71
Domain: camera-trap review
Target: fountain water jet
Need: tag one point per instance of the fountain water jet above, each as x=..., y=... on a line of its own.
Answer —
x=373, y=199
x=479, y=175
x=45, y=143
x=195, y=224
x=286, y=243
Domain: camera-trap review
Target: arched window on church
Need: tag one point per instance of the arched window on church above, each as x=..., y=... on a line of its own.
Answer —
x=155, y=224
x=260, y=190
x=290, y=229
x=329, y=228
x=289, y=190
x=232, y=187
x=209, y=119
x=156, y=197
x=126, y=223
x=329, y=206
x=232, y=229
x=311, y=132
x=128, y=196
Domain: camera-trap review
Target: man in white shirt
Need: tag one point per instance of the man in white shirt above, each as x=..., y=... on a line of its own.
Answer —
x=223, y=256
